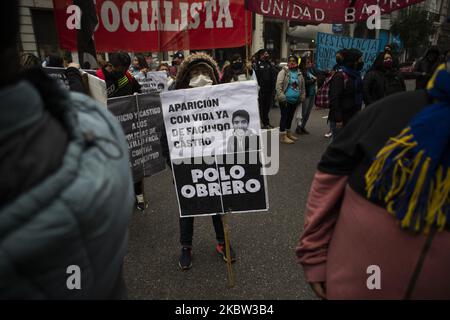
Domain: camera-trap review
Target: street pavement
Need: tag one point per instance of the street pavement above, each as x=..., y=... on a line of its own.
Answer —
x=266, y=266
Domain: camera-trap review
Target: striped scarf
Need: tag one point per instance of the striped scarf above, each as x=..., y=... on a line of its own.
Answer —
x=411, y=173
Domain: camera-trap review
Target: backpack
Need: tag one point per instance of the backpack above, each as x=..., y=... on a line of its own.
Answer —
x=323, y=93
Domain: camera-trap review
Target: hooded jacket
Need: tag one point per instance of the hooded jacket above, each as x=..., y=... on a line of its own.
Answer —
x=183, y=76
x=67, y=194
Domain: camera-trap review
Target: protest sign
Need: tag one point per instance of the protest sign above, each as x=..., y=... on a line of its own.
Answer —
x=96, y=88
x=329, y=44
x=142, y=123
x=324, y=11
x=212, y=187
x=199, y=121
x=155, y=25
x=59, y=74
x=152, y=81
x=206, y=128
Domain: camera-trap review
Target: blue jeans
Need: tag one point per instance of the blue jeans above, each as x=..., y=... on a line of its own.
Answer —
x=307, y=106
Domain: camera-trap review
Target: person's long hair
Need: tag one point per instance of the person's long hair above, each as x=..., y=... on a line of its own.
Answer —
x=141, y=60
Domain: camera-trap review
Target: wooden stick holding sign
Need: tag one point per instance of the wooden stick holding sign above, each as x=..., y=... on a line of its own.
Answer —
x=226, y=230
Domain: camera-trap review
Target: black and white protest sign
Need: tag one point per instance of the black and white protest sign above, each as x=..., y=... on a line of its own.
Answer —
x=152, y=81
x=58, y=74
x=206, y=128
x=142, y=122
x=212, y=120
x=211, y=187
x=94, y=86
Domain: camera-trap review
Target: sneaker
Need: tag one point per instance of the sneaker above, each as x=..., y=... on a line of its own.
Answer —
x=185, y=262
x=141, y=204
x=328, y=135
x=220, y=248
x=298, y=130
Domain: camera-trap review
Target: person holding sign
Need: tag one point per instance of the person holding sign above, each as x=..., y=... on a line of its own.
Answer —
x=119, y=82
x=290, y=93
x=197, y=70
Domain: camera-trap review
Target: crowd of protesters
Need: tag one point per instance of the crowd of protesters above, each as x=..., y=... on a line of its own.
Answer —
x=348, y=91
x=385, y=165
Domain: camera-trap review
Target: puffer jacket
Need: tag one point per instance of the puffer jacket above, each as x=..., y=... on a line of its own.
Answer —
x=64, y=159
x=283, y=83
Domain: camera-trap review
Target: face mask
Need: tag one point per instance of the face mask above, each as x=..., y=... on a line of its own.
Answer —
x=387, y=64
x=200, y=81
x=237, y=65
x=292, y=65
x=360, y=65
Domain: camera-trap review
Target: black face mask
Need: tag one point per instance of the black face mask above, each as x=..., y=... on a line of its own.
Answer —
x=237, y=65
x=359, y=65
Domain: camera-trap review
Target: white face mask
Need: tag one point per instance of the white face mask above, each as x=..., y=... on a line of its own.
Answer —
x=200, y=81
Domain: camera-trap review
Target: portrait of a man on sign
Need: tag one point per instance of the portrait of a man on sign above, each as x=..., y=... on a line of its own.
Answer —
x=243, y=138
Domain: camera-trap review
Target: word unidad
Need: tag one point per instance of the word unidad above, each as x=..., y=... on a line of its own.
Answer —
x=134, y=15
x=294, y=11
x=230, y=183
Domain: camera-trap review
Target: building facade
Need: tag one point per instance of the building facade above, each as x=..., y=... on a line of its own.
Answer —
x=37, y=27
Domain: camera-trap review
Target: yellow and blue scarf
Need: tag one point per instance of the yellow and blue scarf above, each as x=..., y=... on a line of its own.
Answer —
x=411, y=173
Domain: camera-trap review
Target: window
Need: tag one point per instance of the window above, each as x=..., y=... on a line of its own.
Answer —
x=45, y=31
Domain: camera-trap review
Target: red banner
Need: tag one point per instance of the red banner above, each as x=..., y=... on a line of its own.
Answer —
x=156, y=25
x=325, y=11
